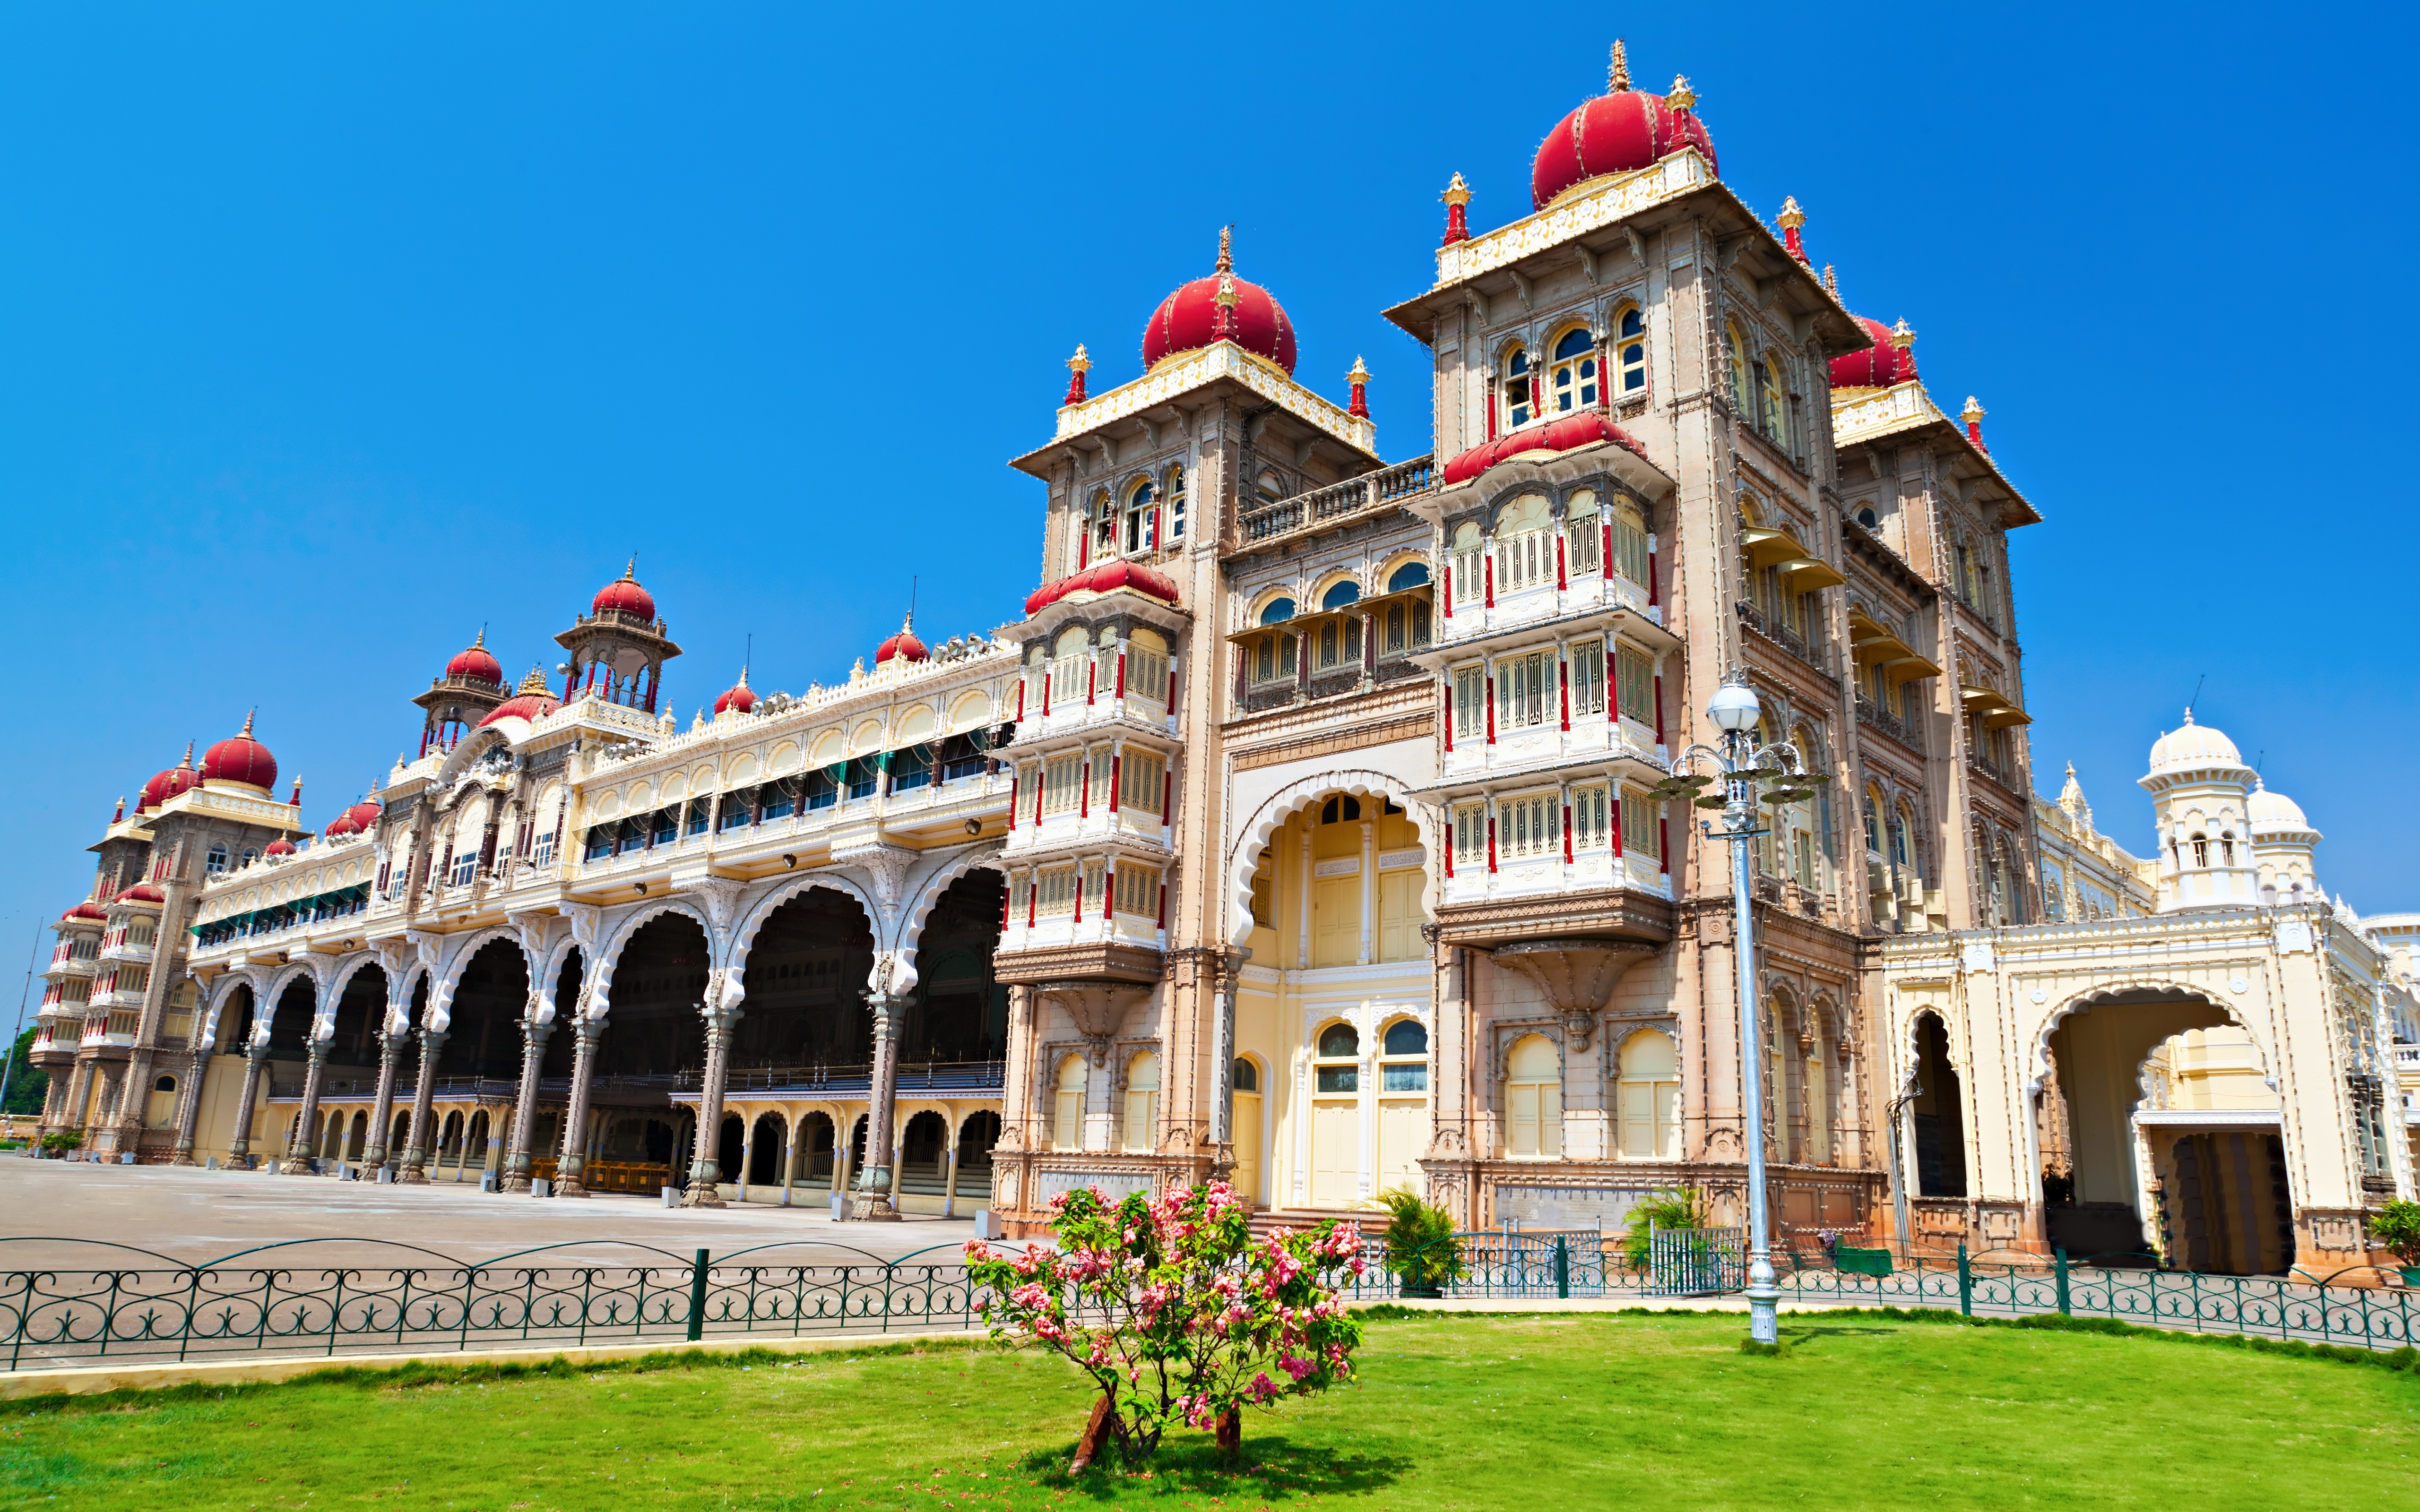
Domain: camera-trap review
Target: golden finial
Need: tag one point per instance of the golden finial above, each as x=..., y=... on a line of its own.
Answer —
x=1682, y=96
x=480, y=640
x=1791, y=217
x=1903, y=335
x=1359, y=373
x=247, y=724
x=1227, y=289
x=1972, y=411
x=1226, y=248
x=1082, y=361
x=1617, y=78
x=1456, y=192
x=630, y=573
x=534, y=682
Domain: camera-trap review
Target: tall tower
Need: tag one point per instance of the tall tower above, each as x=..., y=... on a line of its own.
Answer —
x=2201, y=790
x=617, y=649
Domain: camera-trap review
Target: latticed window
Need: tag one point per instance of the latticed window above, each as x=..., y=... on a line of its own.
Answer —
x=1637, y=671
x=1470, y=701
x=1093, y=875
x=1139, y=519
x=1140, y=776
x=1061, y=779
x=466, y=866
x=1469, y=584
x=1138, y=890
x=1773, y=404
x=1574, y=377
x=1525, y=548
x=1641, y=833
x=1470, y=835
x=1524, y=689
x=1529, y=826
x=1589, y=819
x=1629, y=545
x=1146, y=674
x=1583, y=529
x=1055, y=891
x=1588, y=677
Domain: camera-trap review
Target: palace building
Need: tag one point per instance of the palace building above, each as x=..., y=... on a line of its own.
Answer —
x=1301, y=827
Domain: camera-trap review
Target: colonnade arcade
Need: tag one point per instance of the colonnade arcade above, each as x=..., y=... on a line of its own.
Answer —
x=732, y=1035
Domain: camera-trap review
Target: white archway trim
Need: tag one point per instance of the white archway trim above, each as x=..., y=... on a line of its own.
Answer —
x=1300, y=795
x=753, y=921
x=600, y=994
x=305, y=970
x=926, y=897
x=2038, y=1066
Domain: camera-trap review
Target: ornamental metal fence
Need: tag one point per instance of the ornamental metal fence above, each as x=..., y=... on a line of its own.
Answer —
x=327, y=1297
x=2362, y=1306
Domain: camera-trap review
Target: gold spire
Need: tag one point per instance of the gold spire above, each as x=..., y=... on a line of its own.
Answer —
x=1791, y=217
x=189, y=755
x=1227, y=248
x=1617, y=78
x=1682, y=96
x=247, y=724
x=630, y=573
x=536, y=683
x=1458, y=192
x=1359, y=373
x=1082, y=361
x=1903, y=335
x=480, y=640
x=1972, y=411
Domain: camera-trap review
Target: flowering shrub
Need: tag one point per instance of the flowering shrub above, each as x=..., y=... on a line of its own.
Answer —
x=1174, y=1309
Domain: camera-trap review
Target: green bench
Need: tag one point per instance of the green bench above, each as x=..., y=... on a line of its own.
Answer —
x=1873, y=1262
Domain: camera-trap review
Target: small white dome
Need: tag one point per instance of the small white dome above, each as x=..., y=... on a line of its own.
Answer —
x=2194, y=745
x=2273, y=812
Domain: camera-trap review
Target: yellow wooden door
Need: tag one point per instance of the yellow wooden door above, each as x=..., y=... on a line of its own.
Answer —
x=1403, y=1133
x=1246, y=1177
x=1399, y=916
x=1335, y=922
x=1335, y=1154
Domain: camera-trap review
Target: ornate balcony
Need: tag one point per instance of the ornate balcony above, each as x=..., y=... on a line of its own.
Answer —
x=1339, y=503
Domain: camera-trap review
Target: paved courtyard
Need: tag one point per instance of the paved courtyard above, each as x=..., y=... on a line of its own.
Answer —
x=50, y=1212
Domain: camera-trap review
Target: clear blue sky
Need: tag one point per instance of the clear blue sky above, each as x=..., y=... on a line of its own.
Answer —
x=326, y=337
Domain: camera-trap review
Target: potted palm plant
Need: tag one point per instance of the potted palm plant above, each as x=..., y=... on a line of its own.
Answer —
x=2397, y=1225
x=1421, y=1249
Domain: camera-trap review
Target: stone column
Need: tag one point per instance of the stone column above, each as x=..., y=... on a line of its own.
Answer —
x=1370, y=888
x=1018, y=1090
x=424, y=1098
x=573, y=1161
x=874, y=1202
x=704, y=1172
x=517, y=1158
x=189, y=1106
x=255, y=1057
x=374, y=1152
x=298, y=1149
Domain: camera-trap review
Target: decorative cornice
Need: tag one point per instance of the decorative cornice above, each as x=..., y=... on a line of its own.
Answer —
x=1182, y=374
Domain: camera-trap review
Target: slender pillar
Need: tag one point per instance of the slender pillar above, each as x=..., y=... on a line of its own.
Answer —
x=255, y=1057
x=950, y=1181
x=873, y=1202
x=1370, y=889
x=573, y=1163
x=789, y=1158
x=1018, y=1102
x=424, y=1097
x=746, y=1152
x=298, y=1149
x=189, y=1106
x=705, y=1173
x=374, y=1153
x=517, y=1159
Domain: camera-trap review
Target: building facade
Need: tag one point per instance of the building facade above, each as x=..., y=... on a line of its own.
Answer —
x=1299, y=828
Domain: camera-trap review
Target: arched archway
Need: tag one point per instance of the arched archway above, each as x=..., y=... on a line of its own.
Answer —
x=805, y=980
x=353, y=1047
x=1937, y=1113
x=483, y=1040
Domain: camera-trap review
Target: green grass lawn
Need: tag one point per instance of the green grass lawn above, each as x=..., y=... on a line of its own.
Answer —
x=1559, y=1413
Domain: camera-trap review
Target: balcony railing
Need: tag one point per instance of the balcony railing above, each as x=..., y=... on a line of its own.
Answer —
x=1772, y=629
x=1336, y=502
x=1874, y=715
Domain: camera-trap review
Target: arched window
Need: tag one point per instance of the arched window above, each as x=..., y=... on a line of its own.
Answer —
x=1524, y=545
x=1404, y=1065
x=1533, y=1101
x=216, y=861
x=2227, y=847
x=1410, y=575
x=1277, y=610
x=1867, y=518
x=1573, y=380
x=1902, y=845
x=1269, y=487
x=1143, y=1101
x=1648, y=1097
x=1743, y=386
x=1345, y=810
x=2201, y=850
x=1139, y=533
x=1105, y=524
x=1340, y=1043
x=1519, y=403
x=1469, y=586
x=1067, y=1116
x=1630, y=542
x=1630, y=350
x=1344, y=592
x=1773, y=404
x=1873, y=821
x=1584, y=535
x=1175, y=491
x=1247, y=1076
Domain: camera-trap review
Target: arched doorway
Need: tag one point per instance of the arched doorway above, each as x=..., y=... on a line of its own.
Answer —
x=1938, y=1114
x=354, y=1048
x=768, y=1143
x=976, y=1138
x=2167, y=1085
x=1247, y=1135
x=483, y=1040
x=654, y=1042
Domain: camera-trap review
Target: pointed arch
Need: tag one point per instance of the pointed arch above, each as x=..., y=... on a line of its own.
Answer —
x=753, y=921
x=600, y=991
x=2037, y=1063
x=927, y=896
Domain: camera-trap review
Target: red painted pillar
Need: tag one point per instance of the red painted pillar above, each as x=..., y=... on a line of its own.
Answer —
x=1449, y=591
x=1117, y=769
x=1659, y=709
x=1563, y=687
x=1487, y=687
x=1567, y=834
x=1122, y=676
x=1491, y=844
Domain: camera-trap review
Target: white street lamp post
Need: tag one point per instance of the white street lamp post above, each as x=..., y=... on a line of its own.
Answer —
x=1734, y=711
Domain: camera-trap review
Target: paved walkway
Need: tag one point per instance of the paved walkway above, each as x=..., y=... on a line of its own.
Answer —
x=192, y=1214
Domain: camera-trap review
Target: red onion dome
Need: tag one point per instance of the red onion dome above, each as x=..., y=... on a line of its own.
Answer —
x=241, y=760
x=1105, y=578
x=356, y=820
x=479, y=662
x=167, y=784
x=142, y=892
x=739, y=698
x=1221, y=307
x=1879, y=366
x=88, y=909
x=1619, y=132
x=903, y=646
x=624, y=595
x=278, y=847
x=1565, y=434
x=533, y=703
